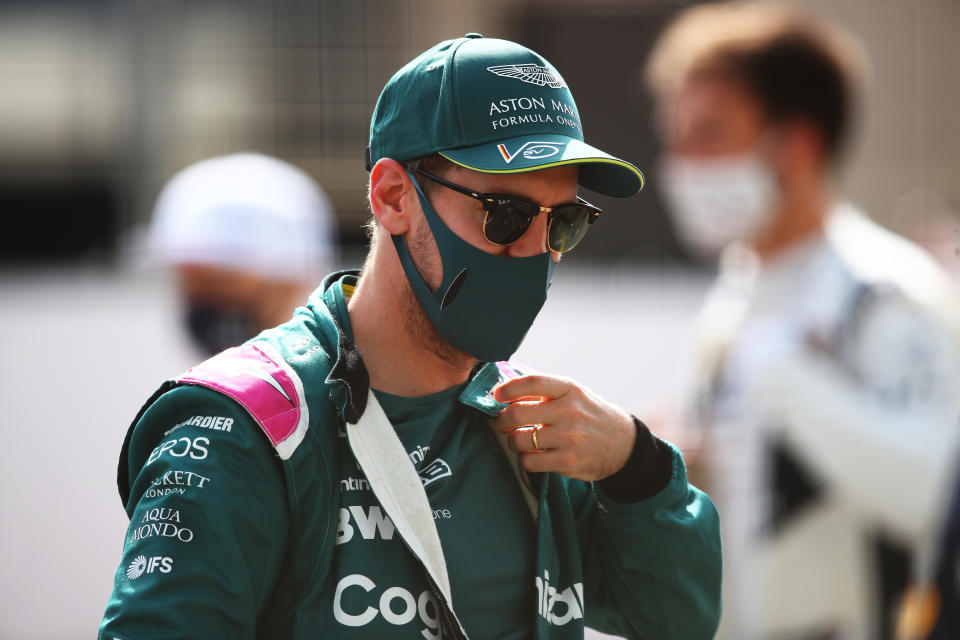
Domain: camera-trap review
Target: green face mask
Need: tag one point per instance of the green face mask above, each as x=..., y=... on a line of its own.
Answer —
x=485, y=303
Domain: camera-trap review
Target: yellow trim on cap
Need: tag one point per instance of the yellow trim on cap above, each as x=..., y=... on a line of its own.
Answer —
x=550, y=165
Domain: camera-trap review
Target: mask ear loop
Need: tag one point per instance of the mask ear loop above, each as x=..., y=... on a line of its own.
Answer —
x=437, y=226
x=450, y=283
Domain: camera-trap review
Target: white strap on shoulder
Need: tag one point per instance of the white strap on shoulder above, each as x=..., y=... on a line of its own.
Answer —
x=398, y=487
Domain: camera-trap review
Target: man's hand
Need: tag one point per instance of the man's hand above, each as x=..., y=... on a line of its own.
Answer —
x=578, y=434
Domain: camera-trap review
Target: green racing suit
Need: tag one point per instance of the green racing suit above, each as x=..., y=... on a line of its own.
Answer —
x=250, y=518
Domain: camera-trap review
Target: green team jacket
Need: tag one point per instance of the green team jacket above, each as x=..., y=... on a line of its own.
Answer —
x=249, y=517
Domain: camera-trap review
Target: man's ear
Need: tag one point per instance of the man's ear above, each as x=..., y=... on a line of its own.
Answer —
x=805, y=152
x=392, y=196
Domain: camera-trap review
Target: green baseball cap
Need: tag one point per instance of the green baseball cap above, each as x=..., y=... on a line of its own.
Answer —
x=491, y=106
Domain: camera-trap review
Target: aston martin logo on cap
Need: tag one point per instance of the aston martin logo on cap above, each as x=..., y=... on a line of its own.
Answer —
x=531, y=74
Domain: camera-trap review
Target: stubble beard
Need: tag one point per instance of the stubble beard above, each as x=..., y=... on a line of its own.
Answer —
x=420, y=243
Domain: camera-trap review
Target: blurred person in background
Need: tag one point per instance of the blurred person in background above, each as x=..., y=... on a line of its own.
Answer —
x=938, y=604
x=248, y=236
x=828, y=354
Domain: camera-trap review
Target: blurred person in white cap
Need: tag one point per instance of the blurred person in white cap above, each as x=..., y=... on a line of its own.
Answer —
x=828, y=359
x=249, y=236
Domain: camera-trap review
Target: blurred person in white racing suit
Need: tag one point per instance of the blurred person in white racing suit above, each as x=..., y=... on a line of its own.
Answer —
x=827, y=366
x=248, y=236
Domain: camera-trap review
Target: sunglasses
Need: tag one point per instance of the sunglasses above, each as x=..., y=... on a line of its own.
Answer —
x=507, y=217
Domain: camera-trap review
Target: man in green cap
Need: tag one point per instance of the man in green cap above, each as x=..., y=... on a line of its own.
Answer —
x=339, y=476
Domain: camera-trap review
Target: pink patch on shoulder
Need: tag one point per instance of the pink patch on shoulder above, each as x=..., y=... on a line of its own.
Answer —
x=250, y=377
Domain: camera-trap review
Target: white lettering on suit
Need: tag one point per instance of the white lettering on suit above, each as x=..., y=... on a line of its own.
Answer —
x=372, y=524
x=396, y=605
x=548, y=597
x=180, y=447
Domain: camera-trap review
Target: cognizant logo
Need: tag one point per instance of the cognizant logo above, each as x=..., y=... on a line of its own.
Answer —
x=395, y=605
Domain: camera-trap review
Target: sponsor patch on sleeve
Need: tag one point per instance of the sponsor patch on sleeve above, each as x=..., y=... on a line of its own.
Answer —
x=265, y=386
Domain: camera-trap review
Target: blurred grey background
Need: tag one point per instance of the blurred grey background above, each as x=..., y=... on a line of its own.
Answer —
x=102, y=101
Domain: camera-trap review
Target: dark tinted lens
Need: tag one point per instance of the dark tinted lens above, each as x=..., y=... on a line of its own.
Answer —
x=569, y=224
x=508, y=219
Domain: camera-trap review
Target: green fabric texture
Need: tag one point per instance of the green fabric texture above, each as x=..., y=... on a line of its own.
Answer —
x=492, y=106
x=472, y=493
x=228, y=540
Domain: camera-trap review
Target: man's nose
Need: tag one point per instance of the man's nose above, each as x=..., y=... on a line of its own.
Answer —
x=534, y=241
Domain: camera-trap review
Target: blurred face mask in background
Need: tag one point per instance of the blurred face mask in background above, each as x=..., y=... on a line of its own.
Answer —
x=714, y=202
x=214, y=329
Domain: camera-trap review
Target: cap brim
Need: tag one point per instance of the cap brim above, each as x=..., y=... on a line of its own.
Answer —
x=599, y=171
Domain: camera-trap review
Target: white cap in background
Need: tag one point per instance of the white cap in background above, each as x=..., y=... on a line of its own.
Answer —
x=248, y=212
